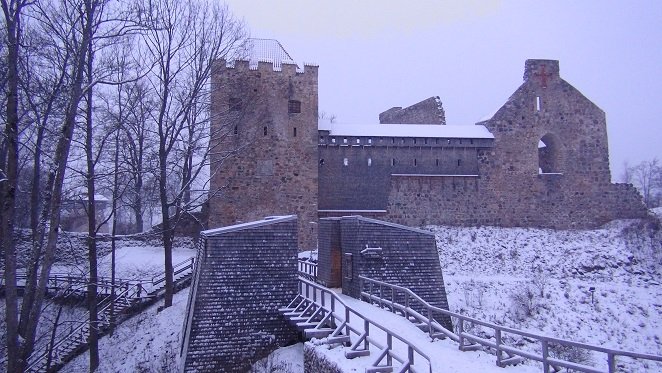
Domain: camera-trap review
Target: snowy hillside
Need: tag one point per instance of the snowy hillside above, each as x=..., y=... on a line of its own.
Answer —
x=541, y=280
x=533, y=279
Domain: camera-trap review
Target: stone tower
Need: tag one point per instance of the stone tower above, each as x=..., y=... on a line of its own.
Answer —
x=264, y=123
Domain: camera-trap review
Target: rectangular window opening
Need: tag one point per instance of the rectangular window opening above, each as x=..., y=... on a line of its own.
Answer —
x=295, y=132
x=345, y=162
x=538, y=104
x=294, y=107
x=265, y=130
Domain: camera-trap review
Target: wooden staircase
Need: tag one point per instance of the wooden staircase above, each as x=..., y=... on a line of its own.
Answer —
x=131, y=297
x=326, y=317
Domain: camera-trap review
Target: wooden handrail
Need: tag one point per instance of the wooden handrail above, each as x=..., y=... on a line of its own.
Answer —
x=308, y=269
x=364, y=337
x=461, y=335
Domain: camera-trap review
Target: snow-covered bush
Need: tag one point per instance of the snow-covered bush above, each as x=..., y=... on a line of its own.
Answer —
x=524, y=302
x=570, y=353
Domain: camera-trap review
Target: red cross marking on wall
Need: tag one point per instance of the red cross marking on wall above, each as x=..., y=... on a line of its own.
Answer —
x=543, y=75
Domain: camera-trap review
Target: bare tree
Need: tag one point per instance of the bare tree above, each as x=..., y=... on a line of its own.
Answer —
x=13, y=13
x=183, y=39
x=68, y=26
x=647, y=177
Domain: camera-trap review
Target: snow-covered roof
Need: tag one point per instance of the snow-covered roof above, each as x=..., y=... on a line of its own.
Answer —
x=232, y=228
x=269, y=50
x=407, y=130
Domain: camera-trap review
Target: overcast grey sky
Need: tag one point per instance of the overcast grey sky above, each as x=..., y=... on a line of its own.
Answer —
x=377, y=54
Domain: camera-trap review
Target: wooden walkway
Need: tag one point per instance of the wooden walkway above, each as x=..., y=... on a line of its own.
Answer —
x=128, y=297
x=402, y=301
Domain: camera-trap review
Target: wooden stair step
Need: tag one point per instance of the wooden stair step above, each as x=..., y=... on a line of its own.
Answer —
x=306, y=325
x=338, y=339
x=381, y=369
x=471, y=347
x=351, y=354
x=514, y=360
x=317, y=333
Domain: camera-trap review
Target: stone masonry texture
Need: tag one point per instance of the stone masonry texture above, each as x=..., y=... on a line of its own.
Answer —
x=244, y=274
x=265, y=153
x=429, y=111
x=547, y=165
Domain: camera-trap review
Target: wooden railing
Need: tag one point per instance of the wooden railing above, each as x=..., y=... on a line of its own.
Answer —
x=182, y=267
x=56, y=353
x=308, y=270
x=348, y=318
x=400, y=299
x=127, y=293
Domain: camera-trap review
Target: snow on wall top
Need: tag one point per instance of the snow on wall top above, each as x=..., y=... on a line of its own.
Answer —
x=232, y=228
x=406, y=130
x=267, y=50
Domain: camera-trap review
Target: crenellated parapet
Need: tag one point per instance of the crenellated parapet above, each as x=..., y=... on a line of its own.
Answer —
x=266, y=66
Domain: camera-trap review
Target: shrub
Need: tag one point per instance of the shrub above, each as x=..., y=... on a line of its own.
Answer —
x=524, y=302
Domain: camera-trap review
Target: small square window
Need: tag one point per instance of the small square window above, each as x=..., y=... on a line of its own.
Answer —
x=294, y=107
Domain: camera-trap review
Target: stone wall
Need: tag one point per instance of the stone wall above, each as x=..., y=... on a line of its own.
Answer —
x=243, y=276
x=548, y=166
x=355, y=178
x=428, y=111
x=265, y=145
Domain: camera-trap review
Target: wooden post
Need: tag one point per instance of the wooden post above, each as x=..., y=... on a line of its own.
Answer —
x=545, y=355
x=406, y=305
x=611, y=362
x=389, y=343
x=430, y=322
x=460, y=333
x=499, y=353
x=366, y=327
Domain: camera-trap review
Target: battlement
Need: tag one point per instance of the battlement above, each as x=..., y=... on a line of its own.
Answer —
x=543, y=70
x=267, y=66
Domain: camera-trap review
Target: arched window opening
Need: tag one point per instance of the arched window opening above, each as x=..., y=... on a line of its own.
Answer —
x=549, y=155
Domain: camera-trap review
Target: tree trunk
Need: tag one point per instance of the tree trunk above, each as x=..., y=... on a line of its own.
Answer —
x=9, y=183
x=167, y=232
x=93, y=339
x=54, y=187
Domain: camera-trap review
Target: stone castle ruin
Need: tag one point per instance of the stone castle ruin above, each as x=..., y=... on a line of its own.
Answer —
x=541, y=160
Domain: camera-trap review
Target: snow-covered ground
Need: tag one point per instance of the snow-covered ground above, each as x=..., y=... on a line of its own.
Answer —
x=489, y=271
x=485, y=269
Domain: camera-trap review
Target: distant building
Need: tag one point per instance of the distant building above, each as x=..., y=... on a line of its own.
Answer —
x=73, y=217
x=541, y=160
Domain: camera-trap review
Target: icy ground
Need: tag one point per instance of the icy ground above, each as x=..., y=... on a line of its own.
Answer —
x=484, y=270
